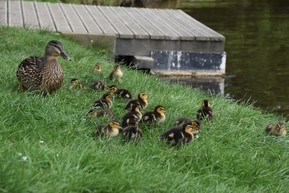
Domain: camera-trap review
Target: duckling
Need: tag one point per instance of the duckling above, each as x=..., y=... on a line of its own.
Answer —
x=104, y=102
x=42, y=74
x=184, y=120
x=95, y=113
x=182, y=135
x=120, y=92
x=132, y=133
x=133, y=117
x=112, y=89
x=97, y=68
x=98, y=85
x=74, y=83
x=205, y=112
x=181, y=121
x=141, y=99
x=154, y=117
x=276, y=129
x=116, y=73
x=109, y=130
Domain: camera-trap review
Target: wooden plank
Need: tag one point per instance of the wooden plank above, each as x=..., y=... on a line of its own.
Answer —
x=30, y=15
x=73, y=19
x=103, y=23
x=169, y=34
x=160, y=15
x=138, y=31
x=178, y=20
x=87, y=20
x=15, y=14
x=3, y=13
x=201, y=27
x=44, y=17
x=153, y=32
x=58, y=17
x=123, y=30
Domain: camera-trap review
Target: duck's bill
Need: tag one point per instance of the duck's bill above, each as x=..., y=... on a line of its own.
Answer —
x=65, y=56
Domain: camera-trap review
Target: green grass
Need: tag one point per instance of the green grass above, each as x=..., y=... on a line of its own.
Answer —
x=46, y=144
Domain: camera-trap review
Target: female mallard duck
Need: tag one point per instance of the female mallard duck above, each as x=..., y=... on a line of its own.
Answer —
x=276, y=129
x=205, y=112
x=109, y=130
x=132, y=133
x=141, y=99
x=116, y=73
x=154, y=117
x=182, y=135
x=42, y=74
x=133, y=117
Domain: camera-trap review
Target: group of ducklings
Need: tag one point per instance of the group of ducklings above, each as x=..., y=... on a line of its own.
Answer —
x=44, y=74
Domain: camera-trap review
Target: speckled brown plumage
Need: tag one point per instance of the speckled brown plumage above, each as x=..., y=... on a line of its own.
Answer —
x=42, y=73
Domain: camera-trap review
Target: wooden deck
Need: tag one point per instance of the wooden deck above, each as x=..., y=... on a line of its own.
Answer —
x=126, y=31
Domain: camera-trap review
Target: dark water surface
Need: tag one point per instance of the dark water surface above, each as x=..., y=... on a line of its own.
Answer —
x=257, y=46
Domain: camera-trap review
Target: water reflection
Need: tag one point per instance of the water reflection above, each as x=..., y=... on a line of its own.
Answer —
x=257, y=46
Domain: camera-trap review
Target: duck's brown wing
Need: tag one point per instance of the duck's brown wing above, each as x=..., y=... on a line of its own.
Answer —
x=29, y=72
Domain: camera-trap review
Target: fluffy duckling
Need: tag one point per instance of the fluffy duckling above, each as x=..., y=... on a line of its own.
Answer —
x=182, y=135
x=181, y=121
x=112, y=89
x=205, y=112
x=104, y=102
x=123, y=93
x=141, y=99
x=42, y=74
x=95, y=113
x=98, y=85
x=154, y=117
x=132, y=133
x=109, y=130
x=97, y=68
x=133, y=117
x=276, y=129
x=116, y=73
x=74, y=84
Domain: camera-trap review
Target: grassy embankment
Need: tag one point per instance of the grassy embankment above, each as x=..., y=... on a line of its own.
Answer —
x=46, y=144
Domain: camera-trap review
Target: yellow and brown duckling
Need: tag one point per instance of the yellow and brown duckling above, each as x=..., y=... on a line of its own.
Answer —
x=104, y=102
x=95, y=113
x=155, y=116
x=74, y=84
x=141, y=100
x=112, y=89
x=205, y=112
x=98, y=85
x=132, y=117
x=109, y=130
x=132, y=133
x=276, y=129
x=182, y=135
x=120, y=92
x=116, y=73
x=97, y=68
x=42, y=74
x=182, y=120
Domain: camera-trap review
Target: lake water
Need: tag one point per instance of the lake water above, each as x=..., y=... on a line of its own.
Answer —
x=257, y=47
